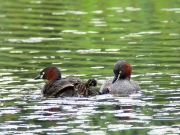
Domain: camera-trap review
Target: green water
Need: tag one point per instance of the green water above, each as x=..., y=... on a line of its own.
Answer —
x=85, y=39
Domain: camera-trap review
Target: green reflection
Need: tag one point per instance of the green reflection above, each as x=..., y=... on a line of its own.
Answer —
x=86, y=38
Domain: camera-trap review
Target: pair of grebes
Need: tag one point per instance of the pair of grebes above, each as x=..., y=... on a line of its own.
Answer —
x=70, y=87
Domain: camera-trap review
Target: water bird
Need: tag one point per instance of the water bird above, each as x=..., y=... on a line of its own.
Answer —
x=122, y=82
x=57, y=86
x=86, y=90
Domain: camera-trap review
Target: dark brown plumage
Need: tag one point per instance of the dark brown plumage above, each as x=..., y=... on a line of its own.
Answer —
x=57, y=86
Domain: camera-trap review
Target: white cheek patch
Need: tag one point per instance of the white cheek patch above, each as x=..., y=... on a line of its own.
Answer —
x=120, y=72
x=42, y=75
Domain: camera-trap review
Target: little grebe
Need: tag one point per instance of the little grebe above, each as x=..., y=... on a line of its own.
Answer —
x=57, y=86
x=85, y=88
x=122, y=84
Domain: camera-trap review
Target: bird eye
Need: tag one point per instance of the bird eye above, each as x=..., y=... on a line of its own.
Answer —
x=43, y=73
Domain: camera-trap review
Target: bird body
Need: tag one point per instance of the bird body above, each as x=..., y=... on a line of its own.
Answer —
x=122, y=82
x=57, y=86
x=85, y=89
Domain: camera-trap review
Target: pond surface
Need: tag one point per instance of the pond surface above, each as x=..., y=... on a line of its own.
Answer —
x=85, y=39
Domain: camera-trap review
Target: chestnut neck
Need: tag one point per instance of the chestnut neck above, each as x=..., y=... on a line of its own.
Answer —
x=126, y=72
x=52, y=74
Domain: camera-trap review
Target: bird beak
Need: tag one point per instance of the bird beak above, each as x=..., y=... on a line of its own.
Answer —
x=115, y=78
x=38, y=77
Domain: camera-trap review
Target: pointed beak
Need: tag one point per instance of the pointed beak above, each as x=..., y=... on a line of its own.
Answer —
x=38, y=77
x=115, y=78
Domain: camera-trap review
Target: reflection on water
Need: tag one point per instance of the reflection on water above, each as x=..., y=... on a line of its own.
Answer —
x=85, y=40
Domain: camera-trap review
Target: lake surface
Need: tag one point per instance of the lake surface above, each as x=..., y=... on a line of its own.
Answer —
x=85, y=39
